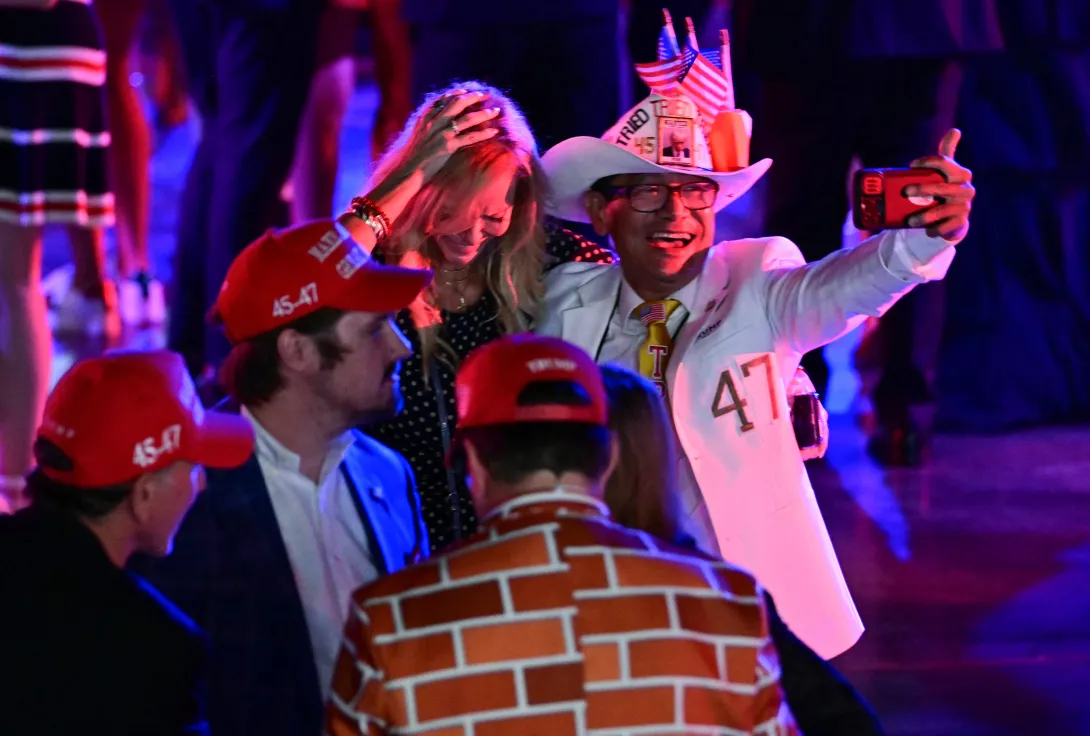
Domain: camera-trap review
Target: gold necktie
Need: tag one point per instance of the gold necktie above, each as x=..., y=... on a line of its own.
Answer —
x=655, y=351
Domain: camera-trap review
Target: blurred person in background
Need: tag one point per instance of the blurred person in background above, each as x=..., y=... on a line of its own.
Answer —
x=249, y=65
x=54, y=144
x=312, y=185
x=830, y=80
x=559, y=59
x=141, y=298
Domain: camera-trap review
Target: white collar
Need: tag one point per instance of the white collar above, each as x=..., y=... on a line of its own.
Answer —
x=629, y=299
x=559, y=495
x=271, y=450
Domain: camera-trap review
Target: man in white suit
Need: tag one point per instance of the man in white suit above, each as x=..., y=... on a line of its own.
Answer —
x=723, y=328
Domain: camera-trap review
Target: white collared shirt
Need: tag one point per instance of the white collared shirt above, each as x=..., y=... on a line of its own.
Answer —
x=326, y=541
x=621, y=345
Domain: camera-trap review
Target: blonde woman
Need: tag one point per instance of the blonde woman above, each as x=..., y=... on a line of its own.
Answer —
x=642, y=494
x=460, y=191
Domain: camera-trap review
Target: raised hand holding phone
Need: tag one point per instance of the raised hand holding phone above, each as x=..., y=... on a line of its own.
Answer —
x=949, y=219
x=935, y=193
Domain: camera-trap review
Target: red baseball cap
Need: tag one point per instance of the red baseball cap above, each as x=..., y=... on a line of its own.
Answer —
x=489, y=383
x=287, y=274
x=124, y=414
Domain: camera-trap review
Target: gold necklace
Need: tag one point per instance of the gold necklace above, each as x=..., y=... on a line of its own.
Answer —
x=458, y=284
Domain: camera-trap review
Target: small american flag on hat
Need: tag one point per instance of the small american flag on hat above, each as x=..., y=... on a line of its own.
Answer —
x=668, y=46
x=661, y=76
x=702, y=82
x=692, y=72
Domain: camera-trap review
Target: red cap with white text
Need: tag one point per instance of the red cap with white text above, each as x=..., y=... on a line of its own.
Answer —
x=290, y=273
x=492, y=379
x=123, y=414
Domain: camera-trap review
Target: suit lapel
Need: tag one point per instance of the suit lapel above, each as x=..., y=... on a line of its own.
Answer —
x=369, y=498
x=250, y=534
x=585, y=323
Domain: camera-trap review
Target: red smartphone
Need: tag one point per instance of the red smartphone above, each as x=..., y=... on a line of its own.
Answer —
x=879, y=201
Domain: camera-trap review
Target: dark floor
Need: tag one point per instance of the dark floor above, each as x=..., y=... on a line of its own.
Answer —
x=972, y=576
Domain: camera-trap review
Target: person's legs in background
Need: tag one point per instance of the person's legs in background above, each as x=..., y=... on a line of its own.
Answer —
x=393, y=54
x=90, y=306
x=913, y=103
x=249, y=71
x=804, y=127
x=317, y=149
x=195, y=24
x=264, y=65
x=140, y=297
x=161, y=65
x=25, y=355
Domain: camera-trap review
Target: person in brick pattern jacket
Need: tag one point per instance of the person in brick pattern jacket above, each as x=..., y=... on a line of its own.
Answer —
x=553, y=619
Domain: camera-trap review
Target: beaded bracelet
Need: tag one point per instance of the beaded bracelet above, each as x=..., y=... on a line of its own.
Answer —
x=369, y=212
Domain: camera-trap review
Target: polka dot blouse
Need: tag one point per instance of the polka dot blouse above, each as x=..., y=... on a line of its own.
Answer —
x=417, y=431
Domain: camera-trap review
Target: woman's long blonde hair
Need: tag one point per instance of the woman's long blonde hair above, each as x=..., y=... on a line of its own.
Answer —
x=510, y=264
x=642, y=492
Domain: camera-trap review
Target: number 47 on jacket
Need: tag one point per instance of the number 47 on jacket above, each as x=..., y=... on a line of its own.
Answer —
x=728, y=385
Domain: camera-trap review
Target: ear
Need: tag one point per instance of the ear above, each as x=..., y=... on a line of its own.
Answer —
x=141, y=499
x=614, y=458
x=598, y=210
x=297, y=352
x=476, y=472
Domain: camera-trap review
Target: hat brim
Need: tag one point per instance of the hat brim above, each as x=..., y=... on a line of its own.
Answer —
x=378, y=288
x=574, y=165
x=224, y=441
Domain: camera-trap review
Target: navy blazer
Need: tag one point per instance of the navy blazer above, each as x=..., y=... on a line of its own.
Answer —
x=86, y=647
x=230, y=572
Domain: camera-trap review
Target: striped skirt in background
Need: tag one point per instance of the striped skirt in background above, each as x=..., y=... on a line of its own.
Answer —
x=53, y=130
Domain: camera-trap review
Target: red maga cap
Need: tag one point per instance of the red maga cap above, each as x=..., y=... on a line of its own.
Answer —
x=124, y=414
x=491, y=379
x=290, y=273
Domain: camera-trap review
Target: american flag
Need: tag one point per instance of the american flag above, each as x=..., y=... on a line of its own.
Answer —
x=661, y=76
x=668, y=47
x=703, y=83
x=653, y=312
x=713, y=57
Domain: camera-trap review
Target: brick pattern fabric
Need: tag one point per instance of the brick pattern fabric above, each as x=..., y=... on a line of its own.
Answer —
x=554, y=620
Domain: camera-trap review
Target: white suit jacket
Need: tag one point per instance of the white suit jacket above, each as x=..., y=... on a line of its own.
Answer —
x=759, y=308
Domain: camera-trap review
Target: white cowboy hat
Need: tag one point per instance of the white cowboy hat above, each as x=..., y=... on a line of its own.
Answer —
x=632, y=147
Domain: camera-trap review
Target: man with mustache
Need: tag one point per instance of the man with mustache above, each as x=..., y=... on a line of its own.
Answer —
x=722, y=328
x=268, y=558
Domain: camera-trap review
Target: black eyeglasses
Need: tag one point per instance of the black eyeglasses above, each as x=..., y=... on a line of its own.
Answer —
x=698, y=195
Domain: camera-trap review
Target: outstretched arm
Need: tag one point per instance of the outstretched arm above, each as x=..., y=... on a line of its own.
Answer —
x=810, y=305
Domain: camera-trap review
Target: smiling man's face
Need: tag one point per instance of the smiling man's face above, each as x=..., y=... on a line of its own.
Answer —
x=664, y=242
